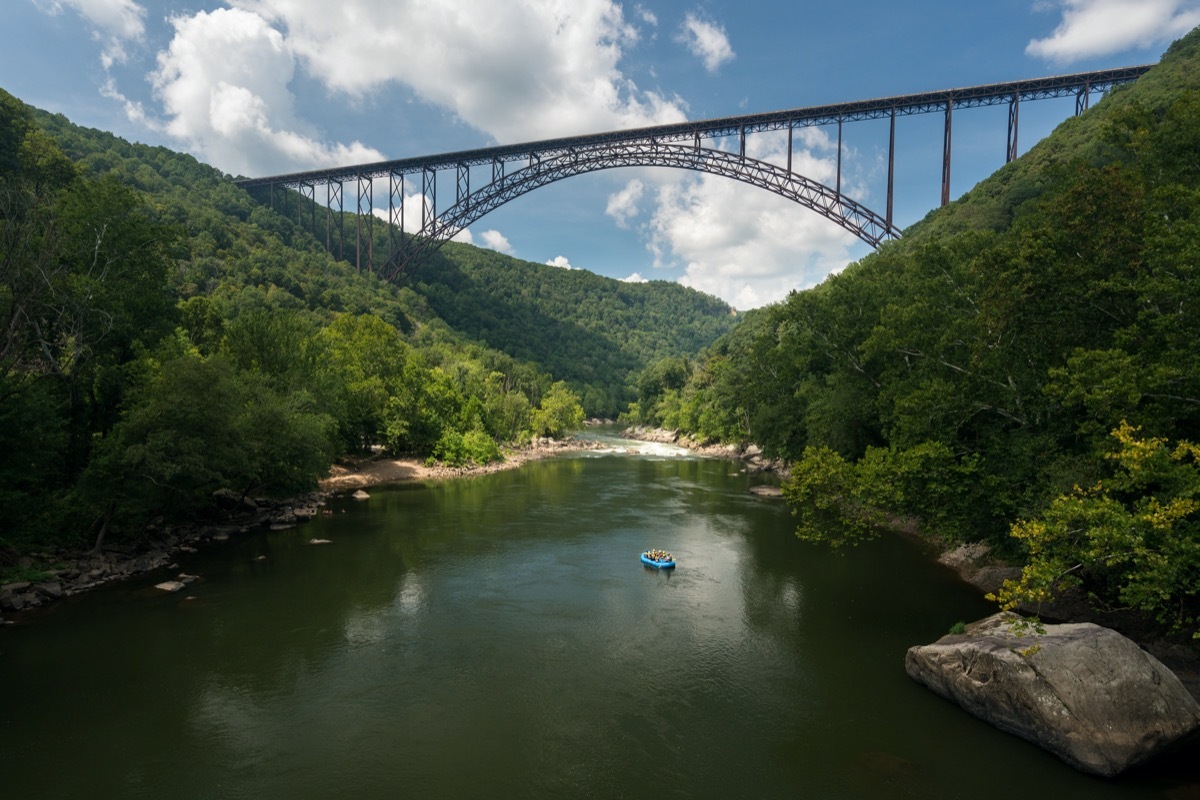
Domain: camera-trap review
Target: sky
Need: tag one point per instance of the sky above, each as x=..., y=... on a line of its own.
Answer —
x=263, y=87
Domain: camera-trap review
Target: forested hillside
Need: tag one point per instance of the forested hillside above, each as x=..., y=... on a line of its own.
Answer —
x=165, y=335
x=591, y=331
x=1021, y=368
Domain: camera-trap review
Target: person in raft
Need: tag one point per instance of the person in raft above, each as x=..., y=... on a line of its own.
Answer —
x=659, y=555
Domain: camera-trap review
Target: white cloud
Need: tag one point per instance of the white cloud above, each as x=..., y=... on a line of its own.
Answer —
x=134, y=110
x=707, y=41
x=560, y=261
x=635, y=278
x=497, y=241
x=225, y=87
x=516, y=71
x=1104, y=27
x=646, y=15
x=623, y=205
x=114, y=22
x=745, y=245
x=223, y=82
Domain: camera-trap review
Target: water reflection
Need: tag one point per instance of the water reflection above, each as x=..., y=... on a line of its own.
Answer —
x=498, y=636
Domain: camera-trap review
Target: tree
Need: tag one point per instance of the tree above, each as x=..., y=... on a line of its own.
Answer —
x=559, y=413
x=1132, y=540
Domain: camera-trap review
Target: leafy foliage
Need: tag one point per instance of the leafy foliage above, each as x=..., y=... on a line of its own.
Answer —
x=593, y=332
x=163, y=335
x=970, y=374
x=1134, y=537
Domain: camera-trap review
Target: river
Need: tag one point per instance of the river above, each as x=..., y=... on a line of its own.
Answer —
x=498, y=637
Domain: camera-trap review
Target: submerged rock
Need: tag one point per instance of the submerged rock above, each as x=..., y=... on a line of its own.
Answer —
x=1085, y=693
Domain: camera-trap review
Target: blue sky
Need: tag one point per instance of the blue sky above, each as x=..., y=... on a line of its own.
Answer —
x=259, y=87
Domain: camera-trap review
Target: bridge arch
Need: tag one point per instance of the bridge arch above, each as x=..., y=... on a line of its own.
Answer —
x=864, y=223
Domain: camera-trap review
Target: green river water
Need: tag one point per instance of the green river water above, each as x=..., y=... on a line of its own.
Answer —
x=497, y=637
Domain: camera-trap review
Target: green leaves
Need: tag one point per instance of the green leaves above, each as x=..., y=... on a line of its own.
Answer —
x=1133, y=539
x=559, y=413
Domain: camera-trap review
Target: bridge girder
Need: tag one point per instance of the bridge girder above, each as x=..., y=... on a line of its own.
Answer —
x=824, y=200
x=675, y=145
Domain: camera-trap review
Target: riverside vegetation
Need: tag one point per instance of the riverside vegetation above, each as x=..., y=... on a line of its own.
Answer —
x=164, y=336
x=1021, y=368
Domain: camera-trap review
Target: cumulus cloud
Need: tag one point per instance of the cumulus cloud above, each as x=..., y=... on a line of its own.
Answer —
x=742, y=244
x=561, y=262
x=223, y=83
x=635, y=278
x=553, y=72
x=623, y=205
x=707, y=41
x=495, y=240
x=114, y=22
x=1104, y=27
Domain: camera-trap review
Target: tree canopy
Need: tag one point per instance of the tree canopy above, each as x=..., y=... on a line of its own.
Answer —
x=975, y=373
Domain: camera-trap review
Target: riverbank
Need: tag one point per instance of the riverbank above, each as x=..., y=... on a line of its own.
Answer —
x=53, y=574
x=352, y=474
x=976, y=564
x=750, y=454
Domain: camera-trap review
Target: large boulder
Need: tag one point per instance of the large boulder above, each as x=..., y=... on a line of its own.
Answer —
x=1085, y=693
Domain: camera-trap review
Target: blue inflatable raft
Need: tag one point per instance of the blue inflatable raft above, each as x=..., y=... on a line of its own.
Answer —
x=649, y=561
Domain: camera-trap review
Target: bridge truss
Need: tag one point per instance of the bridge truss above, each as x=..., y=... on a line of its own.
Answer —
x=521, y=168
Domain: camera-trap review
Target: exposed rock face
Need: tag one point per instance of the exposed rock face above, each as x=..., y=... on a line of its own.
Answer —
x=973, y=564
x=1086, y=693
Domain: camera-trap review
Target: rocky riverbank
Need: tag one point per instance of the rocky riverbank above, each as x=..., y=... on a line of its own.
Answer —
x=750, y=454
x=977, y=565
x=62, y=572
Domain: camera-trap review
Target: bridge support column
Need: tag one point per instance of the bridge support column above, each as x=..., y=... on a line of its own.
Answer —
x=334, y=192
x=1013, y=118
x=946, y=155
x=365, y=198
x=790, y=129
x=395, y=215
x=1082, y=98
x=429, y=198
x=308, y=191
x=463, y=188
x=839, y=156
x=891, y=167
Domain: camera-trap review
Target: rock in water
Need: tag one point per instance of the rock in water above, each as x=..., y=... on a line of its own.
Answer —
x=1085, y=693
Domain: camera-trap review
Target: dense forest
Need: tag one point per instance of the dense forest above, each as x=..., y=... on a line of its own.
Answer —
x=1021, y=368
x=591, y=331
x=166, y=335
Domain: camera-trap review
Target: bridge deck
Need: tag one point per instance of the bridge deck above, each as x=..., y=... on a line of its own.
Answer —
x=1080, y=83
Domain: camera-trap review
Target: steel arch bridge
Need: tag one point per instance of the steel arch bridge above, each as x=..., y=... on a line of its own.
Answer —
x=827, y=202
x=518, y=169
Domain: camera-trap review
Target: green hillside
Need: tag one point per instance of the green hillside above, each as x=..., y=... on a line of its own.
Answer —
x=594, y=332
x=1020, y=368
x=165, y=335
